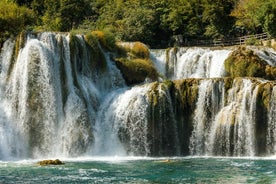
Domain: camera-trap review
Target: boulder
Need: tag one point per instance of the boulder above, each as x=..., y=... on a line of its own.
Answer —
x=50, y=162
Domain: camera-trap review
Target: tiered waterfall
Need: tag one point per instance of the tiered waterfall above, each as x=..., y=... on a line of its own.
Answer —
x=58, y=98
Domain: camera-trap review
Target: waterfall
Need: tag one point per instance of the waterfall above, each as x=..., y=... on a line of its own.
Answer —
x=271, y=126
x=60, y=97
x=230, y=128
x=124, y=110
x=190, y=62
x=49, y=96
x=267, y=54
x=209, y=102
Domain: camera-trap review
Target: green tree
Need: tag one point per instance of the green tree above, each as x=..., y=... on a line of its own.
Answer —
x=51, y=19
x=14, y=19
x=256, y=16
x=64, y=15
x=248, y=13
x=72, y=13
x=217, y=18
x=268, y=17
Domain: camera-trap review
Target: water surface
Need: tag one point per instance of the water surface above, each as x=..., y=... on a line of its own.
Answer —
x=143, y=170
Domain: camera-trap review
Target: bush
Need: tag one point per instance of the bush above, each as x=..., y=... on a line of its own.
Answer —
x=133, y=50
x=134, y=62
x=252, y=41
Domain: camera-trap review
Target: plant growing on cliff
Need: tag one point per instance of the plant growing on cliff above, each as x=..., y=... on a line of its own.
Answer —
x=106, y=39
x=243, y=62
x=136, y=70
x=133, y=60
x=96, y=55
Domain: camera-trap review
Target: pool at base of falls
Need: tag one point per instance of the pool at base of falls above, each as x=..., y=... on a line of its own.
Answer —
x=143, y=170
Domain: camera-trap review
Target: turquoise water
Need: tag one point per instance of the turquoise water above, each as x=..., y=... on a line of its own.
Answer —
x=143, y=170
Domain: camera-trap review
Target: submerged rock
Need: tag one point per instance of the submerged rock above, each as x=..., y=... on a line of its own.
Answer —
x=50, y=162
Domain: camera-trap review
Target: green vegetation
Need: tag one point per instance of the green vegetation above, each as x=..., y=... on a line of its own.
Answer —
x=154, y=22
x=96, y=55
x=134, y=62
x=14, y=19
x=243, y=62
x=106, y=38
x=254, y=16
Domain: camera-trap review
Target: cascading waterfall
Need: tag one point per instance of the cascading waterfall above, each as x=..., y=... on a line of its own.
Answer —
x=228, y=130
x=126, y=109
x=209, y=102
x=52, y=97
x=190, y=63
x=271, y=126
x=58, y=97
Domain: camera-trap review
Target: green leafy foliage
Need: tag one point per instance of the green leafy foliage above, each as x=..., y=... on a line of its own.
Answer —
x=14, y=19
x=256, y=16
x=153, y=22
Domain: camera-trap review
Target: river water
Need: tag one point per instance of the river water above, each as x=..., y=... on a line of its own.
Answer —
x=143, y=170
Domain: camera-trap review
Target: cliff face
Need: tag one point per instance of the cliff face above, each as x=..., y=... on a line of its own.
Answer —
x=71, y=95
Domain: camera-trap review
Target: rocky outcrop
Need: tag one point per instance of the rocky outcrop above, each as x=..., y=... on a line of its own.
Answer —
x=135, y=64
x=50, y=162
x=244, y=62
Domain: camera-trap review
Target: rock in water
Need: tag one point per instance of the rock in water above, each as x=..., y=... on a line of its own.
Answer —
x=50, y=162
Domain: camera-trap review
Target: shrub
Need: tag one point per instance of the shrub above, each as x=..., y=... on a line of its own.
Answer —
x=14, y=19
x=252, y=41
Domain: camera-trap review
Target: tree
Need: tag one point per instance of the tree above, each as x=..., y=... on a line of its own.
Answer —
x=14, y=19
x=51, y=19
x=268, y=17
x=247, y=13
x=72, y=13
x=65, y=15
x=217, y=18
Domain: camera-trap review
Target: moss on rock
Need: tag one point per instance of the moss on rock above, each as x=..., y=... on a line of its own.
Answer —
x=243, y=62
x=96, y=54
x=136, y=70
x=140, y=50
x=106, y=39
x=133, y=60
x=50, y=162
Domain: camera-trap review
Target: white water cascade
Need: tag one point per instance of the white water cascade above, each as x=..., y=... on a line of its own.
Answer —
x=183, y=63
x=48, y=103
x=60, y=99
x=228, y=129
x=271, y=127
